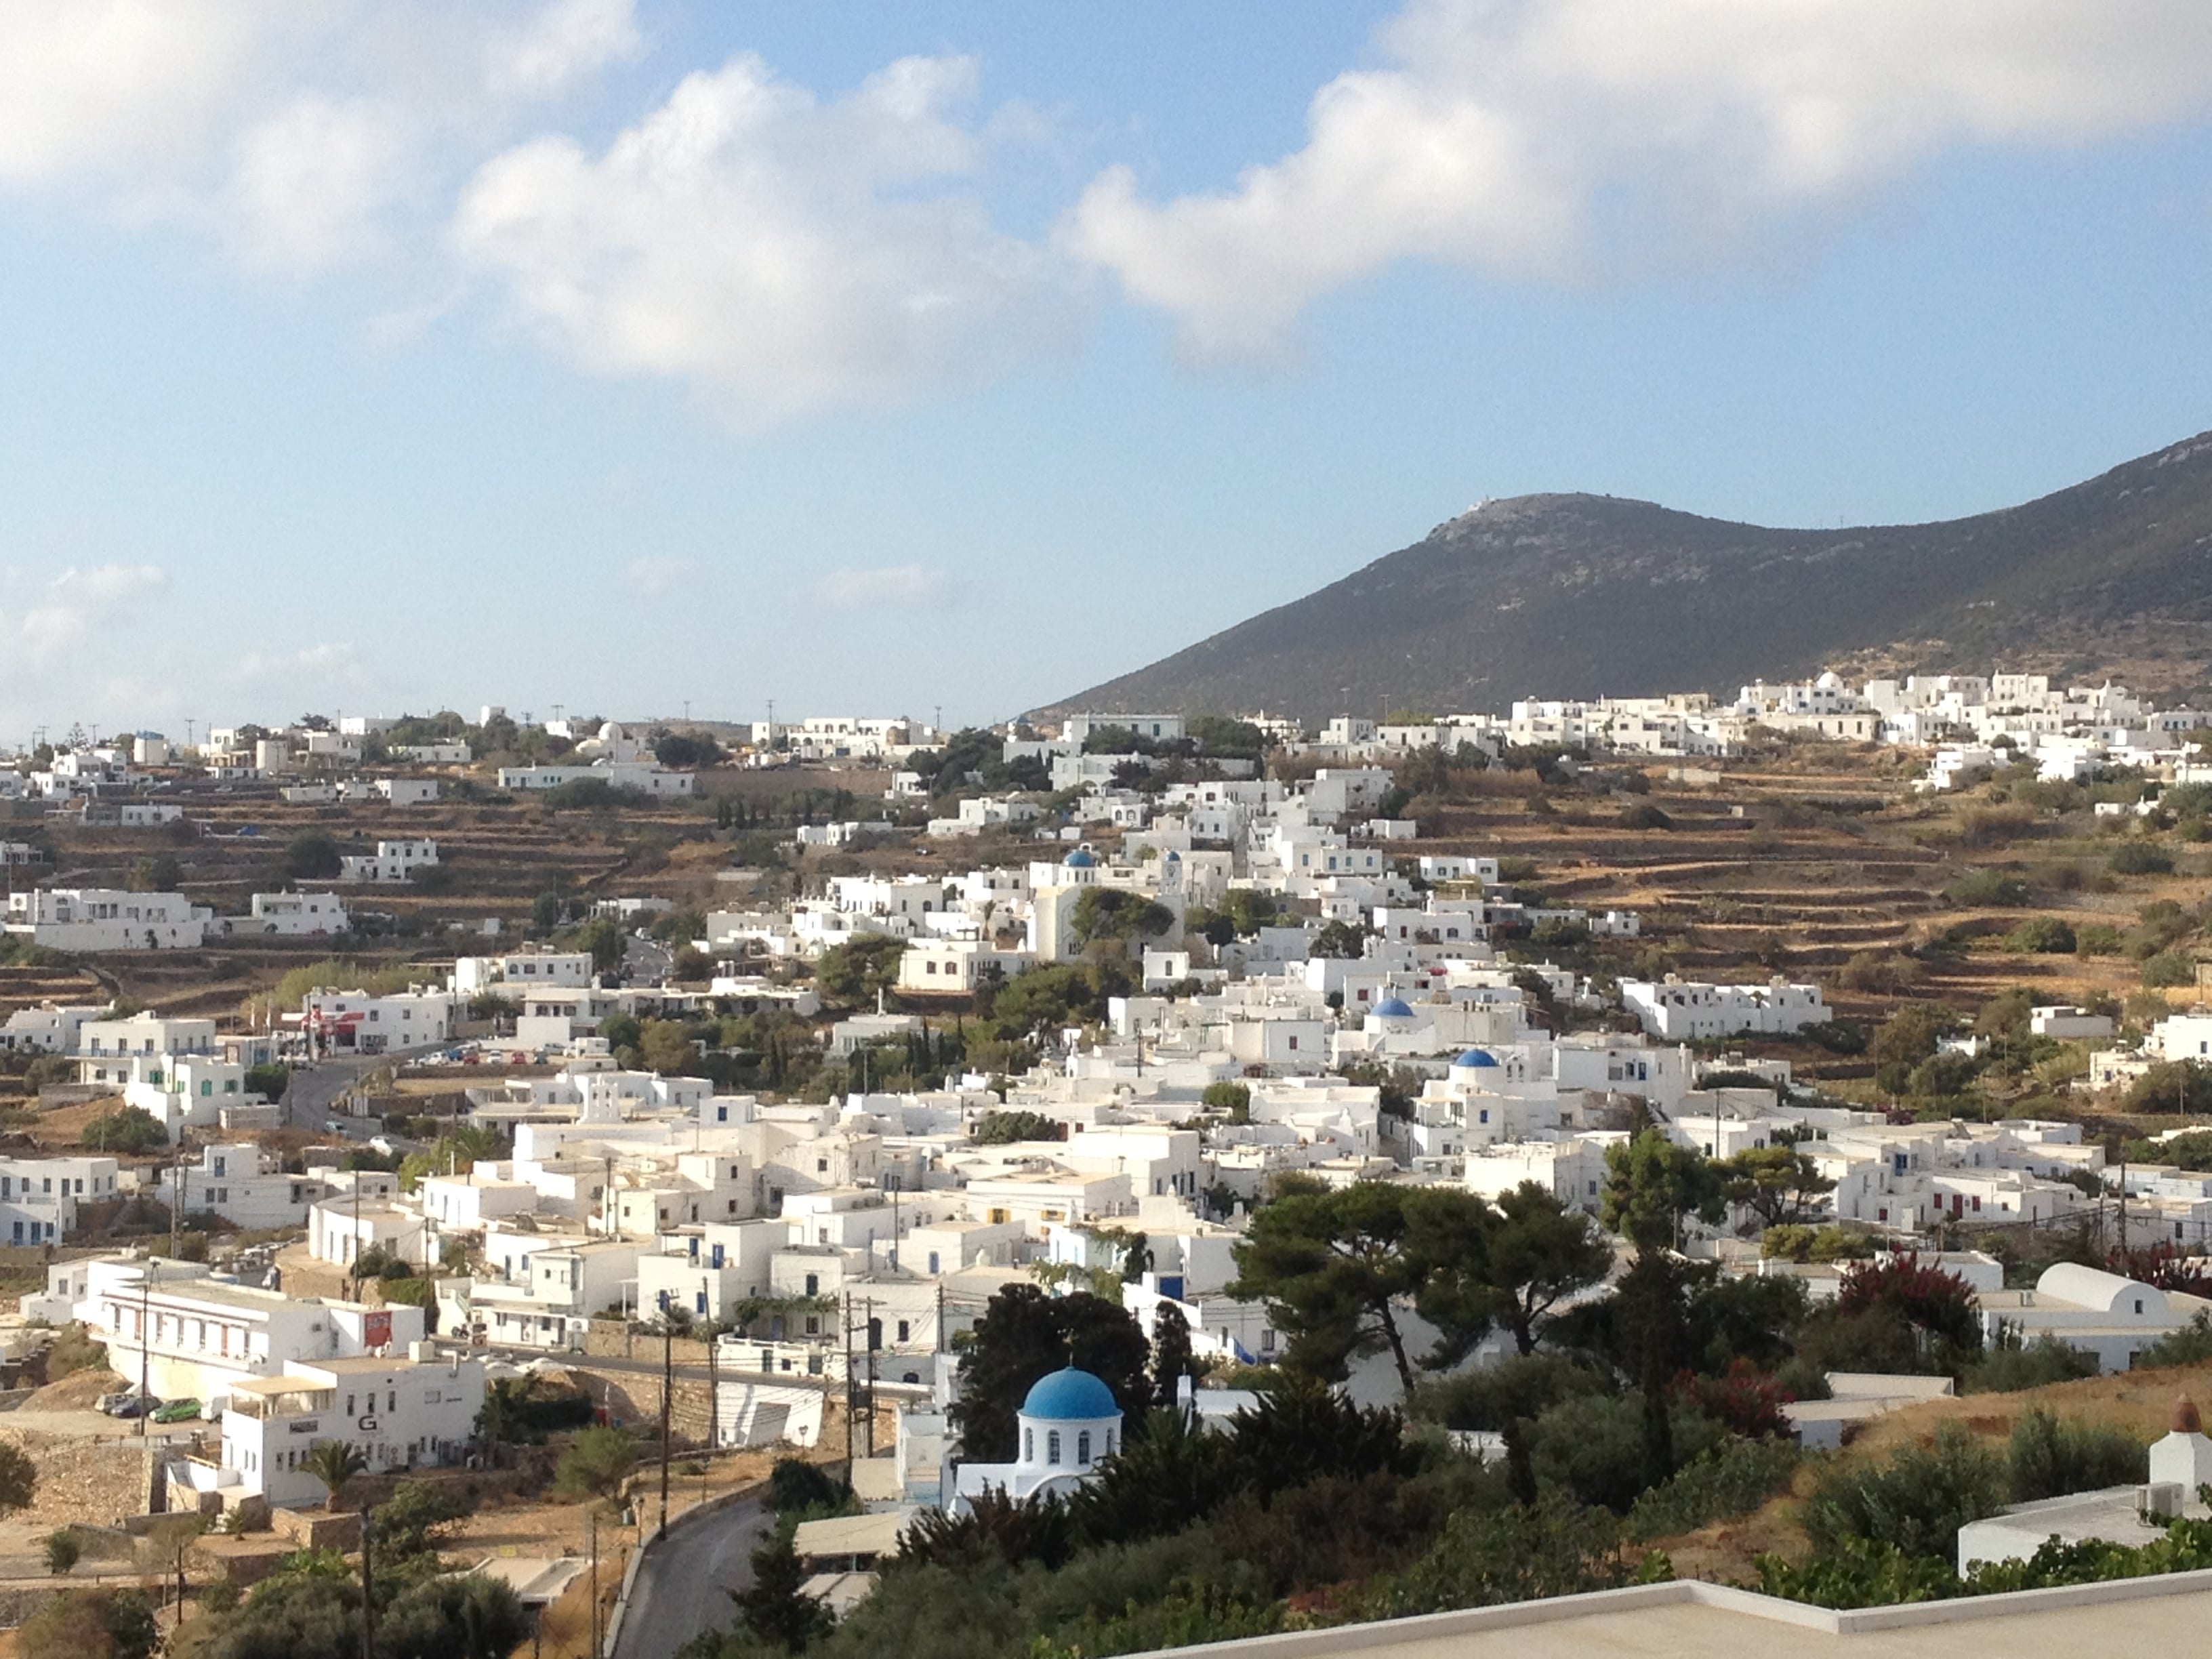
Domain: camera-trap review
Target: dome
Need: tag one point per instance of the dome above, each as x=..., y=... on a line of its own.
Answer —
x=1474, y=1058
x=1070, y=1396
x=1080, y=859
x=1393, y=1008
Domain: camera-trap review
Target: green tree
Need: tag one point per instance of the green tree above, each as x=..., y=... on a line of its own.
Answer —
x=664, y=1045
x=311, y=855
x=1652, y=1184
x=1338, y=1268
x=546, y=912
x=1003, y=1129
x=604, y=938
x=333, y=1462
x=1234, y=1098
x=1113, y=913
x=131, y=1129
x=595, y=1464
x=1341, y=939
x=2172, y=1085
x=419, y=1513
x=97, y=1624
x=1540, y=1252
x=62, y=1551
x=19, y=1479
x=1172, y=1360
x=1025, y=1334
x=850, y=976
x=773, y=1608
x=159, y=874
x=1781, y=1185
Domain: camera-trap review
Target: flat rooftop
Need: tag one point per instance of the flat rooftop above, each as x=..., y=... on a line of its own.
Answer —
x=2161, y=1616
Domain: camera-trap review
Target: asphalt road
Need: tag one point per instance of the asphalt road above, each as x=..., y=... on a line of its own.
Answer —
x=683, y=1584
x=307, y=1102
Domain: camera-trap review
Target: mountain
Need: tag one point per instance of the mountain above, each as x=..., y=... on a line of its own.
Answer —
x=1559, y=596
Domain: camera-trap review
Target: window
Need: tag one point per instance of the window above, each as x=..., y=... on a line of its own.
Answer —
x=1082, y=1449
x=1052, y=1447
x=1029, y=1445
x=814, y=1284
x=903, y=1330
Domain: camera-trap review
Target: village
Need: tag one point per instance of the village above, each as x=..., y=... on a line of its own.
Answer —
x=740, y=1160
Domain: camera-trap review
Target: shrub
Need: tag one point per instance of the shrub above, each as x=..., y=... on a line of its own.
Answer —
x=1980, y=887
x=2189, y=1345
x=595, y=1464
x=1735, y=1478
x=2140, y=858
x=74, y=1350
x=62, y=1551
x=2010, y=1369
x=129, y=1129
x=1642, y=815
x=2097, y=940
x=1916, y=1502
x=2168, y=969
x=2051, y=1456
x=1592, y=1446
x=2042, y=936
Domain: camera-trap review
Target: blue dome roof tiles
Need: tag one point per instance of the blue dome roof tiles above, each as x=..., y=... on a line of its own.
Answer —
x=1069, y=1395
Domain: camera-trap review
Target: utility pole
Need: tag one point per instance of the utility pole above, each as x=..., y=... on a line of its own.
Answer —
x=668, y=1391
x=145, y=1337
x=594, y=1521
x=367, y=1593
x=849, y=1403
x=868, y=1335
x=713, y=1387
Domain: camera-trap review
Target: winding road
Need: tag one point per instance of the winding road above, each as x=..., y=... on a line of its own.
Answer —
x=683, y=1584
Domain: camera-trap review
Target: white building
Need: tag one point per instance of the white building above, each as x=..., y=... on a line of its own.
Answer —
x=393, y=860
x=198, y=1336
x=342, y=1021
x=294, y=915
x=107, y=919
x=1682, y=1011
x=398, y=1413
x=1067, y=1425
x=38, y=1196
x=48, y=1029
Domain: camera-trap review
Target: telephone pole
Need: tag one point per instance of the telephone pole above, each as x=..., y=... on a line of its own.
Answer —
x=668, y=1389
x=367, y=1593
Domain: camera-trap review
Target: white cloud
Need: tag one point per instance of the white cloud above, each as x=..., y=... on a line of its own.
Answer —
x=311, y=184
x=657, y=573
x=295, y=137
x=119, y=86
x=75, y=629
x=563, y=46
x=850, y=589
x=1567, y=139
x=64, y=614
x=778, y=254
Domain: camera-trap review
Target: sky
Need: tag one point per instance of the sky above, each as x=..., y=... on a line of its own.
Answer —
x=636, y=357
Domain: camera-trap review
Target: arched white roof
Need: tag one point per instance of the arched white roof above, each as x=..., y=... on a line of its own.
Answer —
x=2092, y=1287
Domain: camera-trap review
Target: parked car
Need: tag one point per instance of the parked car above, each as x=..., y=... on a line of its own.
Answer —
x=178, y=1411
x=131, y=1404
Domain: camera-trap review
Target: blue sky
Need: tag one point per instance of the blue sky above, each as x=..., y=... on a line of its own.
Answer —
x=871, y=359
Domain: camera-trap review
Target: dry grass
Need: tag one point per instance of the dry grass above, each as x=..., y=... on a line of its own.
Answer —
x=2140, y=1401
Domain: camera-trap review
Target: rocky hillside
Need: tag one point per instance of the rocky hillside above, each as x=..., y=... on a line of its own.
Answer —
x=1549, y=596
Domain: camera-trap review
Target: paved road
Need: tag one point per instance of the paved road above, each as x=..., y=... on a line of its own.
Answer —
x=307, y=1102
x=682, y=1586
x=646, y=961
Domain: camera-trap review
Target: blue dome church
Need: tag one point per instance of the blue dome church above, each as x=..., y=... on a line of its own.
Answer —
x=1068, y=1424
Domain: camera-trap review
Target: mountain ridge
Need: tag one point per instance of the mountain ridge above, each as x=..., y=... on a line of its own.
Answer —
x=1564, y=594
